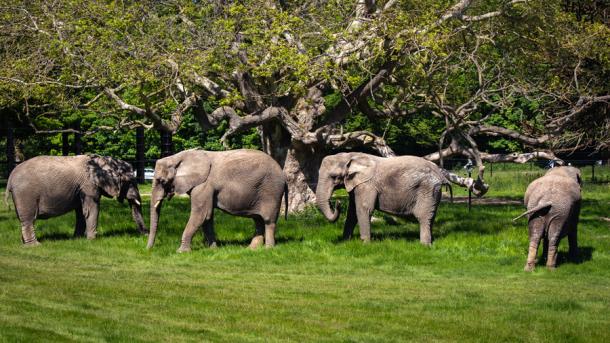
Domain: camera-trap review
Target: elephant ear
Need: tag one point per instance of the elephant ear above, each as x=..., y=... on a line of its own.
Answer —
x=190, y=172
x=359, y=169
x=104, y=173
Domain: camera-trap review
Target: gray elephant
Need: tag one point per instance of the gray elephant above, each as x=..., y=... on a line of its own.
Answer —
x=405, y=185
x=243, y=182
x=49, y=186
x=553, y=207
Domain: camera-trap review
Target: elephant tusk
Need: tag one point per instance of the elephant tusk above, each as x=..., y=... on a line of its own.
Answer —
x=137, y=202
x=157, y=203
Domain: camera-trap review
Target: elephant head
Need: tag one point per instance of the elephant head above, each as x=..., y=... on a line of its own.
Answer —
x=346, y=169
x=114, y=178
x=176, y=174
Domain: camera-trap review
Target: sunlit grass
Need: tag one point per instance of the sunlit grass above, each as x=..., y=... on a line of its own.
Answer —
x=311, y=287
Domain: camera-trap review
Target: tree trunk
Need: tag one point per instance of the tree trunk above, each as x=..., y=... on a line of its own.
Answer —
x=78, y=142
x=65, y=144
x=167, y=146
x=10, y=147
x=299, y=162
x=140, y=154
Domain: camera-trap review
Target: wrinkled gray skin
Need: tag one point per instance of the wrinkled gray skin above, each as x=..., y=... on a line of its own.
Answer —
x=405, y=185
x=247, y=183
x=553, y=207
x=49, y=186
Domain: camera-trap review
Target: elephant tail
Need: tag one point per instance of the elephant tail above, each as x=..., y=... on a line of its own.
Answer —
x=535, y=209
x=285, y=201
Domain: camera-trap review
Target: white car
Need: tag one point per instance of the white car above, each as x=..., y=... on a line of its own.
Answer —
x=148, y=173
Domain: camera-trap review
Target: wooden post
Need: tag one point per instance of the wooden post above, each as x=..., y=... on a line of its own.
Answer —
x=10, y=147
x=166, y=144
x=78, y=143
x=140, y=153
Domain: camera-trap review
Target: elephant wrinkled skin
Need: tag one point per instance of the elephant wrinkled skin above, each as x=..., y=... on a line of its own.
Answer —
x=243, y=182
x=49, y=186
x=405, y=185
x=553, y=207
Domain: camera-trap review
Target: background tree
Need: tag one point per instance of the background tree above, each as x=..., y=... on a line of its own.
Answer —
x=312, y=77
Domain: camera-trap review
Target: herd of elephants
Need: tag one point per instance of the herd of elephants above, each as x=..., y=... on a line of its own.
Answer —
x=250, y=183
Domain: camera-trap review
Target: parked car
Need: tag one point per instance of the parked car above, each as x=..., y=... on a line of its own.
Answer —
x=148, y=173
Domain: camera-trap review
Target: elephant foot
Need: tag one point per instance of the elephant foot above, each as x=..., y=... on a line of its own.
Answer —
x=256, y=242
x=212, y=245
x=365, y=240
x=31, y=244
x=529, y=267
x=91, y=236
x=550, y=267
x=183, y=249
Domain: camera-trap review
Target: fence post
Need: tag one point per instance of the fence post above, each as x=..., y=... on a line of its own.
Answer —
x=491, y=169
x=140, y=153
x=10, y=147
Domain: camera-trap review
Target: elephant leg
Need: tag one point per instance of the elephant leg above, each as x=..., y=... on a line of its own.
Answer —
x=365, y=204
x=27, y=217
x=208, y=232
x=536, y=231
x=425, y=212
x=554, y=234
x=352, y=219
x=197, y=218
x=91, y=211
x=269, y=234
x=259, y=232
x=28, y=234
x=81, y=223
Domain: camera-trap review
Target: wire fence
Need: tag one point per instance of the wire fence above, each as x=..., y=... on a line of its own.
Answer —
x=595, y=171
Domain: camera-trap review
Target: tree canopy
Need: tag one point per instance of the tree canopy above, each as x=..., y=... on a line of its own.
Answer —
x=491, y=80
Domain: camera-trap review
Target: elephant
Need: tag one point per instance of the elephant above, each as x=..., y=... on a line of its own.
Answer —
x=247, y=183
x=402, y=186
x=49, y=186
x=553, y=207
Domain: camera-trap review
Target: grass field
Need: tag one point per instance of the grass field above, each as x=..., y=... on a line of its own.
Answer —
x=469, y=286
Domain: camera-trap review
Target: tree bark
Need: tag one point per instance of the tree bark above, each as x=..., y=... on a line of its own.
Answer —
x=140, y=154
x=10, y=147
x=300, y=163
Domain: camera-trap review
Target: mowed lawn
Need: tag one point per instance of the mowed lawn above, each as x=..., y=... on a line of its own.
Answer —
x=469, y=286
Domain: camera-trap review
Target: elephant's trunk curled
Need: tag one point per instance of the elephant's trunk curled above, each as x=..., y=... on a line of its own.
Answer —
x=323, y=192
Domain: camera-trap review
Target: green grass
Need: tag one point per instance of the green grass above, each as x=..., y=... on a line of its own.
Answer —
x=310, y=287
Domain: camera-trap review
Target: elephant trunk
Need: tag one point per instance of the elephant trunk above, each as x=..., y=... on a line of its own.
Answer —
x=323, y=192
x=479, y=187
x=136, y=212
x=156, y=200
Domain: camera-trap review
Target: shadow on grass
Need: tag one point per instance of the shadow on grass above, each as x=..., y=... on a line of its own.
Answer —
x=563, y=257
x=65, y=236
x=584, y=254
